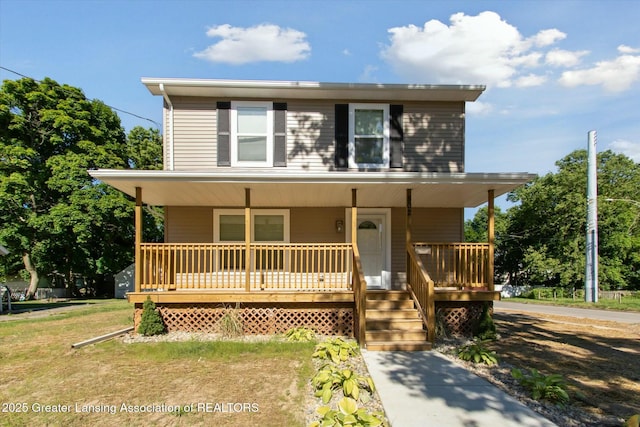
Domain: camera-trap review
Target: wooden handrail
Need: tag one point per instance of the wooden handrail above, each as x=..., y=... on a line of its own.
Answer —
x=360, y=298
x=421, y=289
x=223, y=266
x=463, y=265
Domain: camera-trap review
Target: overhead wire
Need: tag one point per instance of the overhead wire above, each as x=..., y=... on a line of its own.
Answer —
x=110, y=106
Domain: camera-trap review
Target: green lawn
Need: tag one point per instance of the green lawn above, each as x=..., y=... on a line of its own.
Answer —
x=46, y=382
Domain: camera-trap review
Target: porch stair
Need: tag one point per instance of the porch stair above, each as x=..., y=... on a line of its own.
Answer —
x=393, y=323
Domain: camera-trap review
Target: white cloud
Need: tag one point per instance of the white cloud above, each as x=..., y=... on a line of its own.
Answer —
x=482, y=49
x=264, y=42
x=547, y=37
x=615, y=76
x=628, y=148
x=368, y=74
x=530, y=80
x=346, y=52
x=478, y=108
x=627, y=49
x=564, y=58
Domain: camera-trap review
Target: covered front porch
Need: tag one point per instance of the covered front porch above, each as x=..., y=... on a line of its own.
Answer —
x=323, y=284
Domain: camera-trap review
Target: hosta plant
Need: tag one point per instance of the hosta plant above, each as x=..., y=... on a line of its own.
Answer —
x=300, y=334
x=330, y=378
x=551, y=388
x=336, y=349
x=478, y=353
x=348, y=414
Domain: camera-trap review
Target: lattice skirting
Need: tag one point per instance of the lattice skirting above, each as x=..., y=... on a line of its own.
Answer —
x=256, y=318
x=459, y=318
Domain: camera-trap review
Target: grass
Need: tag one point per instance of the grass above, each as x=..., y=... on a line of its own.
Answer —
x=626, y=304
x=207, y=383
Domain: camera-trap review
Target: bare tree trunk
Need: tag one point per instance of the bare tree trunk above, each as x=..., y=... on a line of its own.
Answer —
x=33, y=282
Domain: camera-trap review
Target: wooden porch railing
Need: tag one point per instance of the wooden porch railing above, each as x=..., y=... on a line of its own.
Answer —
x=273, y=266
x=460, y=265
x=422, y=290
x=360, y=298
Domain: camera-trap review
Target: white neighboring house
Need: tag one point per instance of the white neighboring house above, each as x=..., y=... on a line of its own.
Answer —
x=4, y=289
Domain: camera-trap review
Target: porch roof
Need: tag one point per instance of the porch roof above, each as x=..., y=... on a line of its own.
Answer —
x=273, y=188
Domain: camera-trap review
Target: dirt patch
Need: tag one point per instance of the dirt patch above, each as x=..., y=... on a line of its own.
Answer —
x=599, y=359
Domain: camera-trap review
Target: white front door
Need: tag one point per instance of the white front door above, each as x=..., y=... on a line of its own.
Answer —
x=372, y=247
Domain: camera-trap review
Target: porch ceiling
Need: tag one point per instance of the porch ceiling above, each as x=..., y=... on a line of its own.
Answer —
x=302, y=189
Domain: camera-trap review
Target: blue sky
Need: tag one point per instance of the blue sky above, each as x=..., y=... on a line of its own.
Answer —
x=554, y=70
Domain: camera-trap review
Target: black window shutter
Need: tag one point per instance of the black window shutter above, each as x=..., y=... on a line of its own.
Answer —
x=280, y=134
x=342, y=135
x=397, y=136
x=224, y=134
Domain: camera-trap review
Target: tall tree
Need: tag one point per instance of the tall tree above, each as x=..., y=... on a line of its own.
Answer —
x=52, y=213
x=546, y=244
x=144, y=148
x=476, y=230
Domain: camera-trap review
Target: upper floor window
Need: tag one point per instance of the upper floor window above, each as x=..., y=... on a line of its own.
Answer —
x=251, y=134
x=368, y=135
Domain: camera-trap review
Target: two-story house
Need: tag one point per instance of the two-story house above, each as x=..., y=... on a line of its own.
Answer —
x=335, y=206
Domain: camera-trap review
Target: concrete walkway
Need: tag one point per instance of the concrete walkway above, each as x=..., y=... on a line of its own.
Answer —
x=423, y=388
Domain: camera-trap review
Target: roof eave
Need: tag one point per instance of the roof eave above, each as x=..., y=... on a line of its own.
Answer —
x=273, y=89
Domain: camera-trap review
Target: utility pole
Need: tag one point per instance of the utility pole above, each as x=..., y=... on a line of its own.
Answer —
x=591, y=271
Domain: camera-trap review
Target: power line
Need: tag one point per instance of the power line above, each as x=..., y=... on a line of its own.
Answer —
x=113, y=108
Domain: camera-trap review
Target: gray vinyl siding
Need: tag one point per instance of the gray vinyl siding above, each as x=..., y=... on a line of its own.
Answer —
x=313, y=225
x=184, y=224
x=188, y=224
x=194, y=133
x=310, y=135
x=433, y=135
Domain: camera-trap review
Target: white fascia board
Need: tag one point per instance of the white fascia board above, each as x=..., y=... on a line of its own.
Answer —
x=272, y=89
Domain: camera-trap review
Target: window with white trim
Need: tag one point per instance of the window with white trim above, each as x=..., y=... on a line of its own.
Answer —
x=267, y=225
x=368, y=135
x=251, y=133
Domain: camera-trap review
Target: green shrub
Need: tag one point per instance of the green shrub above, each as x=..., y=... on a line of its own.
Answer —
x=477, y=353
x=300, y=334
x=348, y=414
x=151, y=322
x=336, y=350
x=551, y=388
x=331, y=377
x=485, y=329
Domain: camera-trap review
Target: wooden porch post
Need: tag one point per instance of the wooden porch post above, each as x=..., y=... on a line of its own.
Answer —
x=138, y=239
x=354, y=216
x=359, y=291
x=491, y=238
x=408, y=231
x=247, y=238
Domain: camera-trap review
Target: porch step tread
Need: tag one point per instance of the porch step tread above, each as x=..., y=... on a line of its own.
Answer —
x=389, y=304
x=402, y=313
x=396, y=335
x=399, y=324
x=398, y=345
x=388, y=295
